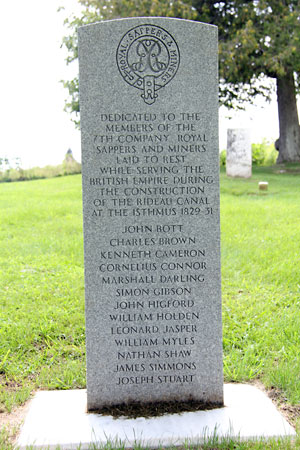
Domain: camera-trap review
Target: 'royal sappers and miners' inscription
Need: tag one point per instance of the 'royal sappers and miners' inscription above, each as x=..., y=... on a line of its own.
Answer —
x=148, y=59
x=151, y=212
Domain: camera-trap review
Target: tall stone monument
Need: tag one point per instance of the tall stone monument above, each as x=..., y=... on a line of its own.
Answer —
x=239, y=153
x=150, y=170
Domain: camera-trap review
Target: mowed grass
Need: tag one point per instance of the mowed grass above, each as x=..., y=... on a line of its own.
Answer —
x=261, y=279
x=42, y=288
x=42, y=329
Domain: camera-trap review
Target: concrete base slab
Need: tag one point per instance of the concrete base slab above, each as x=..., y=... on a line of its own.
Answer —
x=59, y=418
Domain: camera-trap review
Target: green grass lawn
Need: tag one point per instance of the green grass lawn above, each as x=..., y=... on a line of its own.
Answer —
x=41, y=288
x=261, y=280
x=42, y=342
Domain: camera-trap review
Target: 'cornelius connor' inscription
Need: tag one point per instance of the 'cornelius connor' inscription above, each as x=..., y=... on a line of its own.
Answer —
x=150, y=177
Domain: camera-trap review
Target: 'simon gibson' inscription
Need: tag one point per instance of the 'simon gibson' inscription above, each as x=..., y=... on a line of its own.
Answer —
x=150, y=171
x=148, y=58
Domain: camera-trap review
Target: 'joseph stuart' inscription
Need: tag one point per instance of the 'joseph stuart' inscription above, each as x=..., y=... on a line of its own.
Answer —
x=150, y=193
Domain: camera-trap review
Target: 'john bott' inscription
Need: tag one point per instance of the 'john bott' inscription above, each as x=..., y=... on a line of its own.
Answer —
x=149, y=107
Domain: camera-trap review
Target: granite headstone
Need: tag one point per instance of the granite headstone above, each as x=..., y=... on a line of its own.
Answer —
x=150, y=171
x=239, y=153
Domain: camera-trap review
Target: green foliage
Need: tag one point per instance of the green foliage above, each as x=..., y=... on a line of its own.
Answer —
x=68, y=167
x=264, y=154
x=251, y=46
x=258, y=39
x=72, y=105
x=98, y=10
x=223, y=158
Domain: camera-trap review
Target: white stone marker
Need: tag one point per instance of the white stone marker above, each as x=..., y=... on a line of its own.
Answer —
x=59, y=418
x=263, y=185
x=239, y=154
x=150, y=170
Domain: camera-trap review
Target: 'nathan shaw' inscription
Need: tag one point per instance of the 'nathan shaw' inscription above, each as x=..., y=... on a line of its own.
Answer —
x=151, y=213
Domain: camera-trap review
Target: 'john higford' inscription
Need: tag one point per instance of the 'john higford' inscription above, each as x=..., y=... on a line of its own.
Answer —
x=151, y=211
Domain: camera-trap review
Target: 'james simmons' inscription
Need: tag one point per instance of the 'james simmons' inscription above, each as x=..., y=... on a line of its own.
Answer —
x=153, y=176
x=150, y=192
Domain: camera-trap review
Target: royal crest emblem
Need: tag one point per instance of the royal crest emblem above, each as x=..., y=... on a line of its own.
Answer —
x=148, y=59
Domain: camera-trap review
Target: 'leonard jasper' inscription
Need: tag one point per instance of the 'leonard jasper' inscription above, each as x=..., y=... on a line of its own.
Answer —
x=151, y=213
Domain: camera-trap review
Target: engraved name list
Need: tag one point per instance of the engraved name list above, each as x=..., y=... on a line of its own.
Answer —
x=154, y=269
x=151, y=213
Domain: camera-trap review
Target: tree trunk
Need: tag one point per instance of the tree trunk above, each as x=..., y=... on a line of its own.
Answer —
x=288, y=143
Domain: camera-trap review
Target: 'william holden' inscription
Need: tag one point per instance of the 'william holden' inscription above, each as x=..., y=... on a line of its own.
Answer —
x=151, y=211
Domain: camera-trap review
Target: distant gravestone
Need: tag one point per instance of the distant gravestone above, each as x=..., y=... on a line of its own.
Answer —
x=239, y=154
x=149, y=121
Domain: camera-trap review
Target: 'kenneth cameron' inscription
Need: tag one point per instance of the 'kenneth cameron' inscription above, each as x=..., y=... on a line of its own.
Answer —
x=151, y=212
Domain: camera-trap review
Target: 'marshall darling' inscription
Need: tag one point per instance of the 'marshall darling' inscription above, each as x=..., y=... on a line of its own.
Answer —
x=151, y=211
x=148, y=58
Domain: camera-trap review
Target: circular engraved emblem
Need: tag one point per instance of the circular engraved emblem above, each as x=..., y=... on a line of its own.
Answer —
x=148, y=59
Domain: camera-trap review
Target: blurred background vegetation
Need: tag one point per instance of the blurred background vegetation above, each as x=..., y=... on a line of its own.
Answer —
x=263, y=154
x=11, y=170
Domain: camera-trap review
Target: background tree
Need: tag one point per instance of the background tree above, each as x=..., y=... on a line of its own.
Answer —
x=97, y=10
x=258, y=39
x=264, y=41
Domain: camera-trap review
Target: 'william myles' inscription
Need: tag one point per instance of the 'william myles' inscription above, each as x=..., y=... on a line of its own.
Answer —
x=151, y=211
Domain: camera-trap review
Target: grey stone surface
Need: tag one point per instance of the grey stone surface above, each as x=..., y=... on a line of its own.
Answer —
x=149, y=121
x=239, y=154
